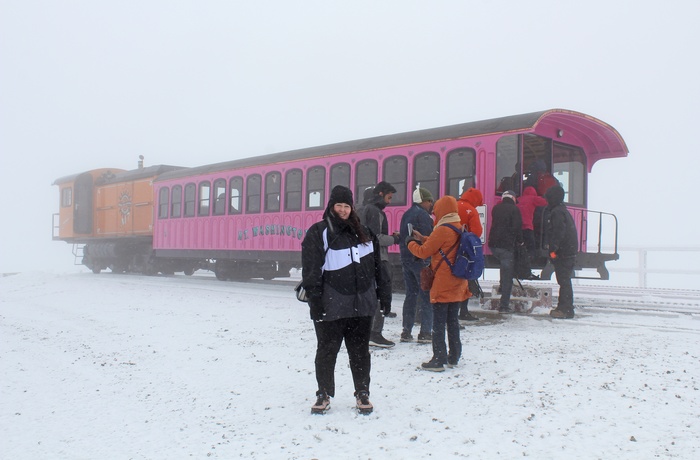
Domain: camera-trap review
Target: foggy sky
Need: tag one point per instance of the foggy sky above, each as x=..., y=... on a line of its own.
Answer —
x=86, y=84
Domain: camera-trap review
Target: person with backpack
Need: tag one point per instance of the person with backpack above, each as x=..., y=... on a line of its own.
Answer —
x=447, y=290
x=418, y=216
x=469, y=218
x=343, y=281
x=374, y=218
x=561, y=243
x=505, y=234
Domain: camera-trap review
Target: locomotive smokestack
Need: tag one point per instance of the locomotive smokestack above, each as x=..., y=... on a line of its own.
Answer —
x=140, y=161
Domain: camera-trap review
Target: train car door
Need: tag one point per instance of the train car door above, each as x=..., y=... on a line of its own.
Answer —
x=82, y=204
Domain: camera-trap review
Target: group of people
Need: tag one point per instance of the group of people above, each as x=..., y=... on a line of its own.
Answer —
x=347, y=275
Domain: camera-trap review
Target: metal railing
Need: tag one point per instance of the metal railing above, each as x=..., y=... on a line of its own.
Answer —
x=672, y=266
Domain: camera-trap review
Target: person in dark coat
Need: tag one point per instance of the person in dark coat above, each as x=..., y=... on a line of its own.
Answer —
x=505, y=234
x=374, y=218
x=561, y=243
x=418, y=215
x=343, y=280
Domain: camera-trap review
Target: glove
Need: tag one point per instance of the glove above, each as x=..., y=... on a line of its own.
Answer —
x=410, y=238
x=552, y=255
x=316, y=310
x=386, y=309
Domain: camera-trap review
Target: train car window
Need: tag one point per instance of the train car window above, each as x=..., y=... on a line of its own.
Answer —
x=366, y=173
x=340, y=175
x=315, y=188
x=292, y=190
x=272, y=191
x=570, y=171
x=252, y=193
x=426, y=172
x=537, y=162
x=220, y=194
x=461, y=171
x=395, y=171
x=163, y=202
x=67, y=197
x=507, y=165
x=235, y=195
x=204, y=198
x=176, y=201
x=190, y=194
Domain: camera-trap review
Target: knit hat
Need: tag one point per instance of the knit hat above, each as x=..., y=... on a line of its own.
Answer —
x=421, y=194
x=509, y=194
x=340, y=194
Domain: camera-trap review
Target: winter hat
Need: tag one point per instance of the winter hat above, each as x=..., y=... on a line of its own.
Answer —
x=421, y=194
x=384, y=187
x=509, y=194
x=554, y=195
x=340, y=194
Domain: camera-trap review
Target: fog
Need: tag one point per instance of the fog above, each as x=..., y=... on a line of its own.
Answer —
x=88, y=84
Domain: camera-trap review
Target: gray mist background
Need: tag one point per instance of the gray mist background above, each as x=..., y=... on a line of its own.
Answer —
x=90, y=84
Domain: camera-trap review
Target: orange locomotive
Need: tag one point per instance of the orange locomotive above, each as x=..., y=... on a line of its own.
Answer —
x=108, y=215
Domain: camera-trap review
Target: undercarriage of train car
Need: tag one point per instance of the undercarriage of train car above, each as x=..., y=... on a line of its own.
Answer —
x=133, y=257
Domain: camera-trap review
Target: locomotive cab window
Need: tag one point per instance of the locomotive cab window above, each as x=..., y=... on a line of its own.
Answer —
x=220, y=194
x=204, y=198
x=461, y=171
x=163, y=202
x=272, y=191
x=66, y=197
x=426, y=172
x=292, y=190
x=176, y=201
x=315, y=187
x=253, y=192
x=190, y=192
x=235, y=195
x=396, y=173
x=366, y=173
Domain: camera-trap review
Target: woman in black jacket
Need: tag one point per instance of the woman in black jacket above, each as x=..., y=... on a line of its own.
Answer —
x=342, y=278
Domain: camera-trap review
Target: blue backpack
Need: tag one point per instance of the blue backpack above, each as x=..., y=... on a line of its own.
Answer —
x=469, y=263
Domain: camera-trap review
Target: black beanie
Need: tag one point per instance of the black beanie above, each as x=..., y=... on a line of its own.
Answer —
x=554, y=195
x=340, y=194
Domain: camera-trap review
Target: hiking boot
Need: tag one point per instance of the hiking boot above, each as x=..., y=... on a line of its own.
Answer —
x=364, y=407
x=561, y=314
x=505, y=310
x=406, y=337
x=323, y=403
x=425, y=338
x=391, y=314
x=468, y=317
x=377, y=340
x=451, y=365
x=433, y=365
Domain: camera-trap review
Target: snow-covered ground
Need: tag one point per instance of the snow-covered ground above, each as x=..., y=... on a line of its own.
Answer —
x=131, y=367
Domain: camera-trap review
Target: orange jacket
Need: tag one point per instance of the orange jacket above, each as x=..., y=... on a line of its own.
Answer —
x=446, y=287
x=468, y=214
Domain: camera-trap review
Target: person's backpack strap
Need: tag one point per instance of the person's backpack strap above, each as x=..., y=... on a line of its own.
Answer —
x=444, y=256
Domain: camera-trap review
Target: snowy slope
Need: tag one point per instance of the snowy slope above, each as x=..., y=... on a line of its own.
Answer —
x=109, y=366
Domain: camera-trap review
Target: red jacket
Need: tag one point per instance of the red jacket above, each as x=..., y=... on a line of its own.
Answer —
x=468, y=214
x=446, y=287
x=527, y=204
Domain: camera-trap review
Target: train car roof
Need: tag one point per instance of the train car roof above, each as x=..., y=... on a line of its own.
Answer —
x=116, y=175
x=598, y=138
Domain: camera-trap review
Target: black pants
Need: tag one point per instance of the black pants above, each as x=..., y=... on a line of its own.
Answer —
x=563, y=269
x=330, y=336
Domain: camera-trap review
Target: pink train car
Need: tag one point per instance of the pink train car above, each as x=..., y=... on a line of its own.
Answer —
x=246, y=218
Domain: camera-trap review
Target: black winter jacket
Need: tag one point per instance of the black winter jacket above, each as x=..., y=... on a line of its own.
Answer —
x=347, y=278
x=506, y=225
x=560, y=231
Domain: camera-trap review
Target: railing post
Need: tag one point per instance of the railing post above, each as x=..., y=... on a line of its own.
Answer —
x=643, y=268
